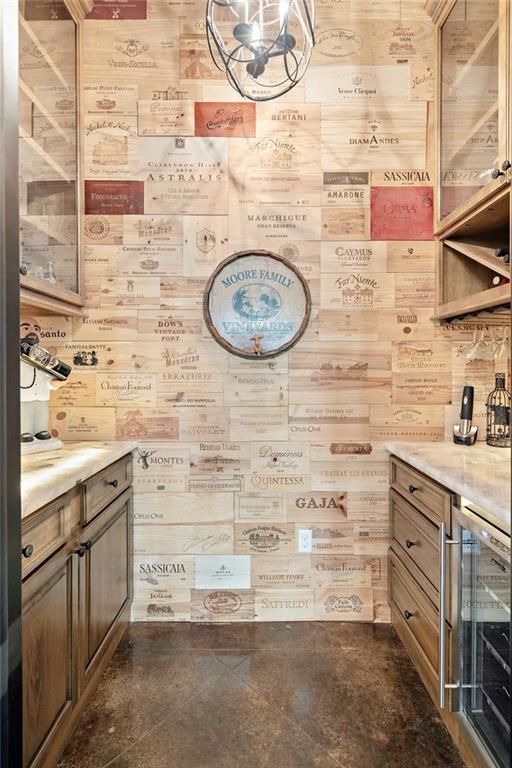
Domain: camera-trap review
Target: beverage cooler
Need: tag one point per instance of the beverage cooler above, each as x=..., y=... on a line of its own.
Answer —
x=481, y=653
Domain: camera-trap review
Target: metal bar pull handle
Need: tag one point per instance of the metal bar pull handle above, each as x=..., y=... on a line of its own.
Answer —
x=443, y=685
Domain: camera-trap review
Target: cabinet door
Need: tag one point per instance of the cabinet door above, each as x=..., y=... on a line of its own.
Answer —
x=105, y=580
x=473, y=103
x=48, y=644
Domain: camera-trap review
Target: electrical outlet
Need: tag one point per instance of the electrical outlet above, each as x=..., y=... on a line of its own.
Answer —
x=305, y=540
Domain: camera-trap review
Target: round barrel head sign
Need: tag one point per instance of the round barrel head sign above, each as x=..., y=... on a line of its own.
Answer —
x=257, y=304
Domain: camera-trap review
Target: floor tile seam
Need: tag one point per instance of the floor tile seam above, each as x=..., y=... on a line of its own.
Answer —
x=276, y=709
x=169, y=716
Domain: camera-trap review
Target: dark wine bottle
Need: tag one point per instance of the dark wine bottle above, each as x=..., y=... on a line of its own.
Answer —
x=499, y=280
x=503, y=253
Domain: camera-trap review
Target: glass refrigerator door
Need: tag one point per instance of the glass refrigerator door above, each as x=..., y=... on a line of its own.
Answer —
x=485, y=641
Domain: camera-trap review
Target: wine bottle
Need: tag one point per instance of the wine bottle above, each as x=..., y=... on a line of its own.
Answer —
x=499, y=280
x=498, y=415
x=503, y=253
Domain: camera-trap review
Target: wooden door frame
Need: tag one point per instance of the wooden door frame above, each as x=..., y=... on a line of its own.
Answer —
x=10, y=511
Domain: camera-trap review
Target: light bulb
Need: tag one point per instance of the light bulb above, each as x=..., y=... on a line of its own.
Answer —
x=256, y=33
x=283, y=11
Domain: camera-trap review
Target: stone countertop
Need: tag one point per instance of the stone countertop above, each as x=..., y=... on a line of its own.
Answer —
x=46, y=476
x=479, y=473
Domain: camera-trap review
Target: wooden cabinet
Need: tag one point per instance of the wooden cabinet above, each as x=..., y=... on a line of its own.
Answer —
x=473, y=108
x=49, y=199
x=76, y=598
x=105, y=580
x=49, y=635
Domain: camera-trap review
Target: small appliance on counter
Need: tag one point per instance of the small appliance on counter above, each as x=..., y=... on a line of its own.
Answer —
x=465, y=433
x=39, y=371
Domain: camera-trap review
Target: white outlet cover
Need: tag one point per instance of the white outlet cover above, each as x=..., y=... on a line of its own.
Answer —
x=305, y=540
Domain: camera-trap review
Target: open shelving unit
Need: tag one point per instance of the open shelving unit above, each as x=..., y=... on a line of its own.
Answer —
x=467, y=262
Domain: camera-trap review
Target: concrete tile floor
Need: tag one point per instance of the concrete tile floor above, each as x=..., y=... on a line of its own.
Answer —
x=301, y=695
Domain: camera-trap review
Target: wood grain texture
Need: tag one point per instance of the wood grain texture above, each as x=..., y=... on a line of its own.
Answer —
x=238, y=457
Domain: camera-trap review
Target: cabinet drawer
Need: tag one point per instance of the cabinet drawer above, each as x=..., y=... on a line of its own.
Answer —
x=416, y=536
x=428, y=496
x=47, y=529
x=105, y=486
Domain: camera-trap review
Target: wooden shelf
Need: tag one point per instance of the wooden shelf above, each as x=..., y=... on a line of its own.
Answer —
x=48, y=159
x=481, y=47
x=45, y=228
x=492, y=297
x=40, y=106
x=49, y=297
x=44, y=53
x=483, y=254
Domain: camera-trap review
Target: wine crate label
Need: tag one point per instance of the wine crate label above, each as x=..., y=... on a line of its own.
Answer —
x=320, y=507
x=146, y=423
x=344, y=604
x=160, y=604
x=198, y=386
x=371, y=539
x=186, y=197
x=182, y=508
x=46, y=10
x=201, y=539
x=330, y=475
x=350, y=190
x=272, y=227
x=327, y=422
x=422, y=356
x=223, y=605
x=346, y=452
x=357, y=289
x=271, y=572
x=140, y=292
x=215, y=484
x=353, y=256
x=157, y=117
x=184, y=160
x=401, y=213
x=432, y=387
x=152, y=230
x=271, y=482
x=157, y=458
x=346, y=223
x=280, y=458
x=247, y=388
x=145, y=485
x=203, y=357
x=258, y=507
x=368, y=505
x=204, y=424
x=330, y=359
x=223, y=572
x=375, y=325
x=133, y=261
x=195, y=60
x=102, y=230
x=78, y=391
x=173, y=10
x=273, y=364
x=276, y=157
x=205, y=244
x=126, y=389
x=219, y=458
x=264, y=422
x=364, y=386
x=404, y=256
x=389, y=422
x=110, y=99
x=225, y=119
x=334, y=570
x=163, y=572
x=220, y=90
x=114, y=197
x=400, y=178
x=273, y=119
x=265, y=539
x=182, y=292
x=110, y=147
x=179, y=91
x=284, y=604
x=125, y=9
x=333, y=538
x=422, y=80
x=83, y=423
x=120, y=53
x=345, y=83
x=174, y=327
x=416, y=290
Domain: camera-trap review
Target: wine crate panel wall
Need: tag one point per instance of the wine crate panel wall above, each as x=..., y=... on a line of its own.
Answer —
x=261, y=487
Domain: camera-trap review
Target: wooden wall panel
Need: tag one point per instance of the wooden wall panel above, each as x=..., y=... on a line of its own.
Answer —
x=260, y=486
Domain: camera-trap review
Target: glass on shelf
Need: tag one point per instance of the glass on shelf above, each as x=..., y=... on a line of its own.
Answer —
x=469, y=100
x=48, y=144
